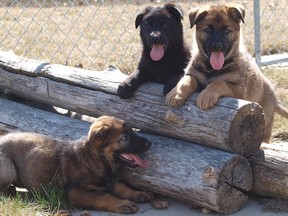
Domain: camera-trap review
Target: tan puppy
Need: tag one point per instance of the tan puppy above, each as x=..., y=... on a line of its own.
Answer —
x=87, y=169
x=221, y=66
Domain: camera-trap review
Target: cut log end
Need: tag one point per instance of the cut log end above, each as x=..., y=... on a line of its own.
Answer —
x=235, y=179
x=247, y=129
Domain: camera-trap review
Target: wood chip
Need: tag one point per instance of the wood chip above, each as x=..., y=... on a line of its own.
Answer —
x=159, y=204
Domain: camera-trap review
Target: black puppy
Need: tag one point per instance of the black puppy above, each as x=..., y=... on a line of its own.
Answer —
x=164, y=55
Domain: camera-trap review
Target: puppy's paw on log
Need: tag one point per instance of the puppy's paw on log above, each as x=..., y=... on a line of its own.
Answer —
x=124, y=91
x=207, y=99
x=174, y=99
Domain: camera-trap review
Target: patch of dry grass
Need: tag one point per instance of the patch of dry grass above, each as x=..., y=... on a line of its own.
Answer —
x=24, y=203
x=17, y=207
x=96, y=35
x=279, y=78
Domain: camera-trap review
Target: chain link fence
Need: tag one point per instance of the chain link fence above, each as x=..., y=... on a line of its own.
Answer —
x=96, y=33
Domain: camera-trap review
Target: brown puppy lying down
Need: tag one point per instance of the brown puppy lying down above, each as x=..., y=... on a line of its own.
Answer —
x=85, y=169
x=221, y=66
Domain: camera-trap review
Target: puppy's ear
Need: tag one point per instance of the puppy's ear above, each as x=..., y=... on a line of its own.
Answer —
x=139, y=18
x=236, y=11
x=197, y=14
x=175, y=11
x=96, y=135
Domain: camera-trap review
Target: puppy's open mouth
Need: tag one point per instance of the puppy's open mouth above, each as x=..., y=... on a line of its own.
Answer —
x=133, y=160
x=157, y=51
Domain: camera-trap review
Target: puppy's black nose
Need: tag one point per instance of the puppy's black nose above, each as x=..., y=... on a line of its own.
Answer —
x=216, y=46
x=155, y=37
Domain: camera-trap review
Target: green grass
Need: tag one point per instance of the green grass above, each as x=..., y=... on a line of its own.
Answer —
x=48, y=202
x=51, y=199
x=17, y=206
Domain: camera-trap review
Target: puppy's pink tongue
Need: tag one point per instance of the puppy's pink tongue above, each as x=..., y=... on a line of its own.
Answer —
x=138, y=160
x=157, y=52
x=217, y=60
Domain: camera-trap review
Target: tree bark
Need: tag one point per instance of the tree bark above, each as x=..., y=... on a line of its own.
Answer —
x=232, y=125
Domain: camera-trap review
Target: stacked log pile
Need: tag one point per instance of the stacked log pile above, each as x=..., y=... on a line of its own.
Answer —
x=215, y=174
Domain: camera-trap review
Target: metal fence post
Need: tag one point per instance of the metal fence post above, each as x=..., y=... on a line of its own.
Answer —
x=257, y=33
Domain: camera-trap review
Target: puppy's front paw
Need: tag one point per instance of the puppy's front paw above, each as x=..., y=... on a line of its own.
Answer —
x=142, y=196
x=174, y=99
x=126, y=207
x=124, y=91
x=207, y=99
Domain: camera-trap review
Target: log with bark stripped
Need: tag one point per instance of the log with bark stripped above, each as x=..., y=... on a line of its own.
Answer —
x=270, y=170
x=232, y=125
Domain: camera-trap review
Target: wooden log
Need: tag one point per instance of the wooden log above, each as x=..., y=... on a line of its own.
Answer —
x=192, y=173
x=270, y=170
x=18, y=117
x=232, y=125
x=195, y=174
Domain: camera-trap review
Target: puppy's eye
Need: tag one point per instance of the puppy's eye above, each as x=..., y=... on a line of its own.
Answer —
x=227, y=31
x=124, y=138
x=208, y=30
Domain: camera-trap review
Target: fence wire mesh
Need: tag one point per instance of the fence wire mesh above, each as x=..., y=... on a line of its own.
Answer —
x=96, y=33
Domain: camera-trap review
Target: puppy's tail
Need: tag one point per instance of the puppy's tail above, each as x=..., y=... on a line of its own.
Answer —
x=281, y=110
